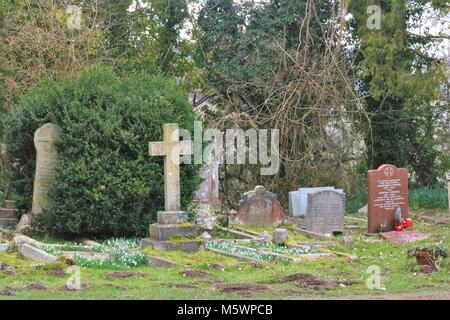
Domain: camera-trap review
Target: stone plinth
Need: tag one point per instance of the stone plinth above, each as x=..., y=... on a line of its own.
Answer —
x=168, y=231
x=173, y=232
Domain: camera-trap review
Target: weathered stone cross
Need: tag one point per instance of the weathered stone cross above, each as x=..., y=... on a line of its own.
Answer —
x=171, y=148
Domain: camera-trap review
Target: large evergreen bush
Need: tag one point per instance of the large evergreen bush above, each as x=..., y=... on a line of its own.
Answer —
x=106, y=183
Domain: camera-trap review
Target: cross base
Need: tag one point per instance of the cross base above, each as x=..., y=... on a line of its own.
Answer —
x=173, y=232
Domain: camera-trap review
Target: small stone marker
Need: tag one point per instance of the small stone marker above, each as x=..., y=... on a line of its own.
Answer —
x=280, y=236
x=325, y=212
x=260, y=208
x=388, y=191
x=46, y=162
x=403, y=236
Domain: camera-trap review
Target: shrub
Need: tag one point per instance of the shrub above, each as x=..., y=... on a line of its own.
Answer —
x=106, y=184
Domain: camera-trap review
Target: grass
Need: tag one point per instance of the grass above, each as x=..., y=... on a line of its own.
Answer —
x=400, y=275
x=425, y=197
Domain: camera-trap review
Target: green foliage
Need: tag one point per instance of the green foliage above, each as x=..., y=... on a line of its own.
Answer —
x=106, y=184
x=428, y=198
x=402, y=88
x=434, y=197
x=437, y=250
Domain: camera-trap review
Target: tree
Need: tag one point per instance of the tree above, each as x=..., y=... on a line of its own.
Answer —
x=105, y=184
x=279, y=65
x=401, y=85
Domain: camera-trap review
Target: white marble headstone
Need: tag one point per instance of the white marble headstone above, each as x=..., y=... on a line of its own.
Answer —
x=298, y=200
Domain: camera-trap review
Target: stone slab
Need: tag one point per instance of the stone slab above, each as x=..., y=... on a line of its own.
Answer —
x=86, y=255
x=183, y=245
x=237, y=256
x=241, y=234
x=36, y=254
x=400, y=237
x=21, y=239
x=313, y=235
x=172, y=217
x=165, y=232
x=159, y=262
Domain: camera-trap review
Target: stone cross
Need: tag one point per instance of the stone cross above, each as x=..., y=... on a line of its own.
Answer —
x=171, y=148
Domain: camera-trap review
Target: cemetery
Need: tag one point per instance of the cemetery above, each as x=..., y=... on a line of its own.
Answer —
x=102, y=196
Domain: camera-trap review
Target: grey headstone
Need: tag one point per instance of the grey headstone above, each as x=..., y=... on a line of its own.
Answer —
x=325, y=212
x=298, y=200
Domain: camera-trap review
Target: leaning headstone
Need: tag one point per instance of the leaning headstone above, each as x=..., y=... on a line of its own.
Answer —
x=36, y=254
x=24, y=223
x=260, y=208
x=46, y=162
x=298, y=200
x=280, y=236
x=172, y=224
x=388, y=191
x=208, y=191
x=325, y=212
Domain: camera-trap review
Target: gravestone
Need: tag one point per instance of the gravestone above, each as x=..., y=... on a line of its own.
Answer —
x=260, y=208
x=298, y=200
x=325, y=212
x=172, y=223
x=388, y=191
x=46, y=162
x=208, y=191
